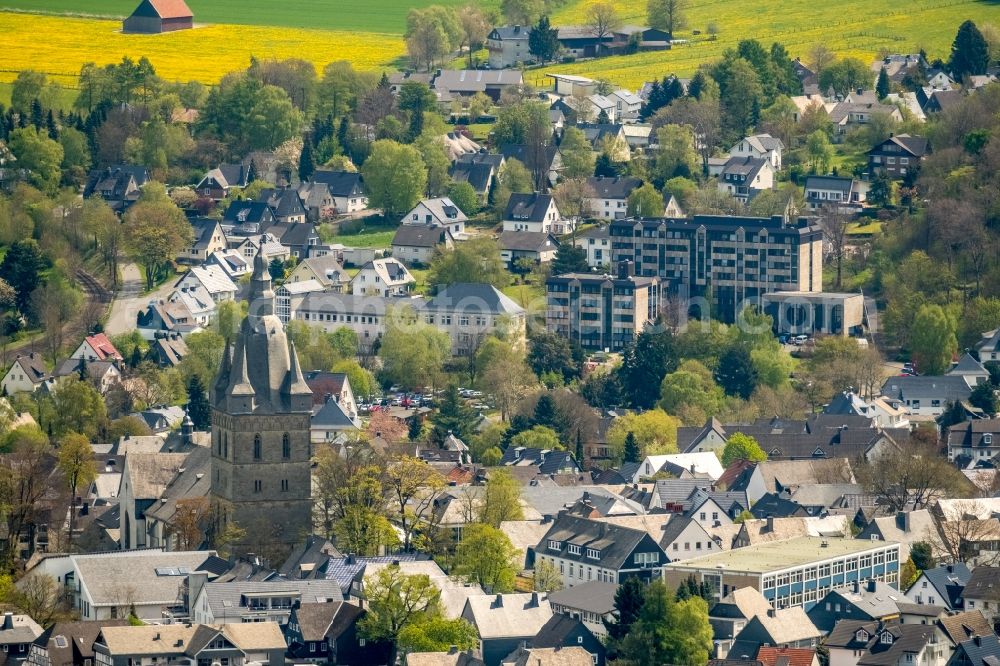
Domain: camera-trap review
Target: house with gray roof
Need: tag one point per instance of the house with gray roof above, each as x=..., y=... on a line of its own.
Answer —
x=927, y=395
x=506, y=621
x=535, y=246
x=586, y=550
x=416, y=245
x=610, y=200
x=977, y=651
x=973, y=442
x=508, y=46
x=327, y=633
x=69, y=643
x=863, y=600
x=971, y=369
x=760, y=146
x=260, y=601
x=534, y=212
x=330, y=423
x=209, y=237
x=382, y=277
x=26, y=374
x=467, y=82
x=744, y=177
x=332, y=193
x=591, y=603
x=596, y=242
x=563, y=631
x=941, y=586
x=844, y=194
x=438, y=211
x=988, y=347
x=478, y=169
x=220, y=181
x=17, y=634
x=876, y=643
x=261, y=643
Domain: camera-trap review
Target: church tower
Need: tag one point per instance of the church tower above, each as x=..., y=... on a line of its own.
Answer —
x=261, y=410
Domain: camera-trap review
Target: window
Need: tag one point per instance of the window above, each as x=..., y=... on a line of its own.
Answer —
x=284, y=485
x=886, y=638
x=593, y=554
x=573, y=549
x=256, y=447
x=286, y=446
x=257, y=485
x=555, y=545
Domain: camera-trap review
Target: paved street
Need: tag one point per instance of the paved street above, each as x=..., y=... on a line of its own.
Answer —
x=129, y=299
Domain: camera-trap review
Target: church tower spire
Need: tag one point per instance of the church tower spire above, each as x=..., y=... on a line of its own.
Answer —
x=261, y=295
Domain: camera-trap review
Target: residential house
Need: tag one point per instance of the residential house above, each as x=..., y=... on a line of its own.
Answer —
x=331, y=423
x=146, y=582
x=563, y=631
x=975, y=441
x=864, y=600
x=544, y=162
x=505, y=622
x=534, y=212
x=730, y=614
x=25, y=375
x=547, y=461
x=586, y=550
x=166, y=317
x=118, y=185
x=977, y=651
x=298, y=237
x=247, y=217
x=846, y=194
x=591, y=602
x=982, y=591
x=69, y=643
x=508, y=46
x=974, y=372
x=848, y=114
x=103, y=375
x=441, y=212
x=97, y=347
x=596, y=242
x=168, y=349
x=780, y=569
x=261, y=643
x=196, y=300
x=874, y=643
x=467, y=82
x=334, y=384
x=903, y=527
x=760, y=146
x=254, y=601
x=231, y=261
x=599, y=108
x=382, y=277
x=327, y=271
x=745, y=177
x=346, y=191
x=416, y=244
x=884, y=413
x=700, y=464
x=779, y=627
x=220, y=181
x=960, y=627
x=285, y=204
x=534, y=246
x=479, y=170
x=327, y=633
x=213, y=279
x=627, y=105
x=17, y=634
x=610, y=137
x=898, y=156
x=209, y=237
x=988, y=347
x=927, y=395
x=600, y=311
x=941, y=586
x=611, y=197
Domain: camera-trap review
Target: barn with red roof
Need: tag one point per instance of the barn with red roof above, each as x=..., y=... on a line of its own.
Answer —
x=156, y=16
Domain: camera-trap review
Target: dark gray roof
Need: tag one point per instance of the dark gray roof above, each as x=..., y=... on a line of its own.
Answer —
x=984, y=583
x=548, y=462
x=949, y=580
x=331, y=415
x=477, y=174
x=527, y=241
x=945, y=388
x=510, y=32
x=979, y=651
x=614, y=543
x=204, y=229
x=474, y=297
x=248, y=212
x=340, y=183
x=559, y=631
x=867, y=600
x=829, y=183
x=527, y=207
x=227, y=599
x=594, y=596
x=523, y=153
x=420, y=235
x=903, y=639
x=618, y=187
x=345, y=569
x=284, y=202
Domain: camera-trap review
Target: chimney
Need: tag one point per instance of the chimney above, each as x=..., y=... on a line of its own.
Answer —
x=534, y=600
x=498, y=602
x=857, y=587
x=8, y=621
x=772, y=613
x=156, y=637
x=871, y=584
x=951, y=569
x=770, y=523
x=979, y=641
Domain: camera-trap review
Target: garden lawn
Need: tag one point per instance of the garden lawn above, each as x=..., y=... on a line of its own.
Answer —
x=377, y=237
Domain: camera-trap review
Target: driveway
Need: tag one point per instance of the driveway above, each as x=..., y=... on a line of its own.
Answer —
x=129, y=299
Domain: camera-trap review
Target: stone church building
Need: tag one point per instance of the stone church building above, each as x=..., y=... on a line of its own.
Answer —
x=260, y=428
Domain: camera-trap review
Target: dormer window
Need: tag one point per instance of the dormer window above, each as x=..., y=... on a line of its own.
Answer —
x=861, y=635
x=573, y=549
x=593, y=554
x=555, y=545
x=987, y=439
x=886, y=638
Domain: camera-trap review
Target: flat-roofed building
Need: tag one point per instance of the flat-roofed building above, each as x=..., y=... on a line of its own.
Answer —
x=792, y=572
x=810, y=312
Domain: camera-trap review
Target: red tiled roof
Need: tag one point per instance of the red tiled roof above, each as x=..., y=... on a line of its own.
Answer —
x=733, y=472
x=785, y=656
x=103, y=347
x=171, y=8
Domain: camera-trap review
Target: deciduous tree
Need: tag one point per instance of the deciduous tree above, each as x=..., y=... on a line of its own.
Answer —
x=485, y=556
x=395, y=177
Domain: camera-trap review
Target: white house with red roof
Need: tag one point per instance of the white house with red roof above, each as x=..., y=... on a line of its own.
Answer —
x=97, y=347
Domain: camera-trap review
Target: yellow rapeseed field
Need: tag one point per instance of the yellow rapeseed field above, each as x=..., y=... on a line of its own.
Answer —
x=859, y=28
x=60, y=45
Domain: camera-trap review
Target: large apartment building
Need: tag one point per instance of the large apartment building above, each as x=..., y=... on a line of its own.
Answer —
x=728, y=261
x=601, y=311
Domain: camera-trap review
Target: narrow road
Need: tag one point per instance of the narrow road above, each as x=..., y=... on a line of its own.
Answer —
x=129, y=300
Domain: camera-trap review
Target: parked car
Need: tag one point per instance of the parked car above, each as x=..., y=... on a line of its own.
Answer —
x=800, y=339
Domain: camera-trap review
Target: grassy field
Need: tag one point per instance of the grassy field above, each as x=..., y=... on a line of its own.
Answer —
x=851, y=27
x=204, y=54
x=361, y=15
x=376, y=237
